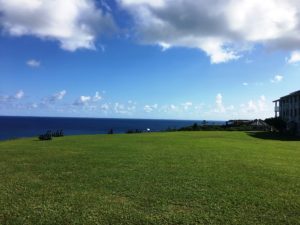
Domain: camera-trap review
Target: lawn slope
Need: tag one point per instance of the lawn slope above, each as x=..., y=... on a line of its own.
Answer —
x=151, y=178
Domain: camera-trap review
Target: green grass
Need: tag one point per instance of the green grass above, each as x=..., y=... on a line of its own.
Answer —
x=153, y=178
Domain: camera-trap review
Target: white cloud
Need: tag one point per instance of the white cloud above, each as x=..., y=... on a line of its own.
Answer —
x=12, y=98
x=97, y=97
x=199, y=108
x=245, y=84
x=82, y=100
x=131, y=107
x=224, y=30
x=33, y=63
x=219, y=104
x=88, y=101
x=54, y=98
x=187, y=105
x=105, y=107
x=120, y=108
x=19, y=94
x=230, y=108
x=277, y=79
x=150, y=108
x=262, y=103
x=294, y=57
x=74, y=23
x=153, y=3
x=127, y=108
x=164, y=46
x=173, y=107
x=253, y=108
x=60, y=95
x=220, y=108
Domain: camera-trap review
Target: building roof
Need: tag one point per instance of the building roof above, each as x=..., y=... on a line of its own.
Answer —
x=289, y=95
x=259, y=123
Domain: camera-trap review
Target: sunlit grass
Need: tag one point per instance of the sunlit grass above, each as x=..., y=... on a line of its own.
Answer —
x=153, y=178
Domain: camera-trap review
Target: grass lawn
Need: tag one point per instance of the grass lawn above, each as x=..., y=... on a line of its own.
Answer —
x=151, y=178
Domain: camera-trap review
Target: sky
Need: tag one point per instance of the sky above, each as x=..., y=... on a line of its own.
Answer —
x=156, y=59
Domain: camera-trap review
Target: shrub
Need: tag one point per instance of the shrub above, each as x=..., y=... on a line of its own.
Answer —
x=136, y=131
x=58, y=133
x=45, y=137
x=111, y=131
x=278, y=123
x=49, y=134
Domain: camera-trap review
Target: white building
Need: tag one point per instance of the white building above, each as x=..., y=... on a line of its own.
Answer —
x=288, y=109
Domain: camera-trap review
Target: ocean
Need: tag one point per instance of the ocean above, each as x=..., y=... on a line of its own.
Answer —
x=12, y=127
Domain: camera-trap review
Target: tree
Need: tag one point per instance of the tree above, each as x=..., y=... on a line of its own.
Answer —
x=111, y=131
x=195, y=126
x=278, y=123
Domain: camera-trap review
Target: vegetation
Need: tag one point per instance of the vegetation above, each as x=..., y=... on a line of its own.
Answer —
x=111, y=131
x=226, y=127
x=277, y=123
x=58, y=133
x=151, y=178
x=136, y=131
x=45, y=137
x=49, y=134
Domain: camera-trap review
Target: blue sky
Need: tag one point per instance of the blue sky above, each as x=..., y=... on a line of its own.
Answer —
x=147, y=59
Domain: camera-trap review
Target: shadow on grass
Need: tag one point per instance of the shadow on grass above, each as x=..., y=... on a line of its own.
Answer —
x=273, y=136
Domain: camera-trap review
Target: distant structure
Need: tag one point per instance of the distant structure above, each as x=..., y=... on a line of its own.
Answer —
x=238, y=122
x=256, y=124
x=288, y=109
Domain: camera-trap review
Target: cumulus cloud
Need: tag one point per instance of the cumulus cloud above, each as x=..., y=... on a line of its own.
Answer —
x=60, y=95
x=19, y=94
x=277, y=79
x=88, y=100
x=150, y=108
x=13, y=101
x=34, y=105
x=54, y=98
x=294, y=57
x=254, y=107
x=74, y=23
x=173, y=107
x=104, y=107
x=223, y=29
x=120, y=108
x=33, y=63
x=97, y=97
x=82, y=100
x=170, y=108
x=12, y=98
x=187, y=105
x=220, y=107
x=219, y=103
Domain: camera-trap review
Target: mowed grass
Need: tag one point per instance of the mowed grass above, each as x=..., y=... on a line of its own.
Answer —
x=150, y=178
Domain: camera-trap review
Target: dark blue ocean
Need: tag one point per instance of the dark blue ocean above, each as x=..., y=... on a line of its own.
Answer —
x=16, y=127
